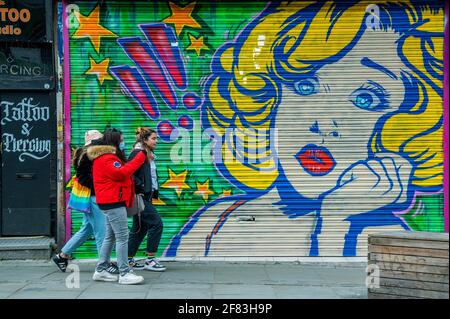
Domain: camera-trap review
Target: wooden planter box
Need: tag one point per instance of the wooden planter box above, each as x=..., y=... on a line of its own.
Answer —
x=410, y=264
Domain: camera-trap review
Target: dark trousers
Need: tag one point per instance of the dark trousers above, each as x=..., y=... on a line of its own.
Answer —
x=148, y=223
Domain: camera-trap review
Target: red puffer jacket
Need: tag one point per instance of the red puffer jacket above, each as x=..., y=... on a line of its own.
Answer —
x=113, y=181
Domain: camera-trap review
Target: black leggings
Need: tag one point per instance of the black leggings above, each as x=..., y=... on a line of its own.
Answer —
x=148, y=223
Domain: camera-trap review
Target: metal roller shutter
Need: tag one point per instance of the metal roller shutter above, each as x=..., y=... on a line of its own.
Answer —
x=330, y=114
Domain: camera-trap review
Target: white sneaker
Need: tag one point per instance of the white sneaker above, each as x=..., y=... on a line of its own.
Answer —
x=104, y=276
x=130, y=279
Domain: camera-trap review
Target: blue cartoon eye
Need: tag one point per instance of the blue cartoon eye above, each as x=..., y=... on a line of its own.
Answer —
x=364, y=100
x=306, y=86
x=369, y=99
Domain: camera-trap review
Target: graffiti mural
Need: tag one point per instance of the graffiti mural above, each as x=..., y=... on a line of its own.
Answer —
x=288, y=128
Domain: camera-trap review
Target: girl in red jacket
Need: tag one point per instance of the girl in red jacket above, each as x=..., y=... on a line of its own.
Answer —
x=114, y=188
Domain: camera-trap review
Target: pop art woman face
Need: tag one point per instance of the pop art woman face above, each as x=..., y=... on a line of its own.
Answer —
x=325, y=121
x=329, y=86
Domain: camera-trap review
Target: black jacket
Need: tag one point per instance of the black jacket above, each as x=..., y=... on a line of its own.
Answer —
x=83, y=167
x=143, y=179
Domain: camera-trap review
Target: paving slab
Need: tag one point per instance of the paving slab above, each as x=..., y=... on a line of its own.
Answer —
x=7, y=289
x=304, y=292
x=188, y=280
x=33, y=294
x=350, y=293
x=19, y=274
x=193, y=274
x=296, y=275
x=179, y=291
x=240, y=275
x=112, y=295
x=114, y=287
x=243, y=291
x=344, y=276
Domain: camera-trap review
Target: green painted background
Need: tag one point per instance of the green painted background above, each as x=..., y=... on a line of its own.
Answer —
x=95, y=105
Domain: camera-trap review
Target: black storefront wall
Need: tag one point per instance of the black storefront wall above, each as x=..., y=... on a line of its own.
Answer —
x=28, y=138
x=26, y=55
x=28, y=119
x=26, y=66
x=27, y=21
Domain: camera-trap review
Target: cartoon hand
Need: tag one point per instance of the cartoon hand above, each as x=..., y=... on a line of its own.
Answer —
x=363, y=187
x=371, y=184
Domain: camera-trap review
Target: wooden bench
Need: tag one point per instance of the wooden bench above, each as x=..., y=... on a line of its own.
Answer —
x=410, y=264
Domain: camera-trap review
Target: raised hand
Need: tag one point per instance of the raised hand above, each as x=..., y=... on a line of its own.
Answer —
x=364, y=186
x=371, y=184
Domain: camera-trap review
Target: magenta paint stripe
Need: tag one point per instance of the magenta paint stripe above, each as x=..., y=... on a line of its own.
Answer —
x=446, y=110
x=67, y=127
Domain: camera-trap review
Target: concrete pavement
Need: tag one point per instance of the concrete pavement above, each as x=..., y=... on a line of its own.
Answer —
x=188, y=280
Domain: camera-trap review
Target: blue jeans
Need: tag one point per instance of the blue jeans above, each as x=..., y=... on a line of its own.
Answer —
x=93, y=224
x=116, y=233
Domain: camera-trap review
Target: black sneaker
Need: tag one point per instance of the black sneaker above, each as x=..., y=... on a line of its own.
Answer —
x=135, y=265
x=113, y=269
x=61, y=262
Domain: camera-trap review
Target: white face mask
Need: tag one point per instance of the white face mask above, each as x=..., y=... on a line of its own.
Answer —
x=122, y=146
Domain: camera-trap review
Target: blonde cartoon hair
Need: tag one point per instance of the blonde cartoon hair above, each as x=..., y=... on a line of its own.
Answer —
x=244, y=89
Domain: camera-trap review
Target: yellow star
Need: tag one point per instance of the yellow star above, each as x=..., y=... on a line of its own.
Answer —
x=181, y=17
x=90, y=27
x=226, y=192
x=176, y=181
x=158, y=202
x=196, y=44
x=100, y=70
x=203, y=190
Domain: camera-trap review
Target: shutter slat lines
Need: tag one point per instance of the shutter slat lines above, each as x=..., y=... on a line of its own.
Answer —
x=326, y=118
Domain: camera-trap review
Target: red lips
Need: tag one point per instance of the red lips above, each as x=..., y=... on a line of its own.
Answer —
x=316, y=160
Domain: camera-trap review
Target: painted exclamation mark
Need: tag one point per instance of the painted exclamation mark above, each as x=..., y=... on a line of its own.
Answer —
x=143, y=55
x=160, y=67
x=133, y=82
x=164, y=42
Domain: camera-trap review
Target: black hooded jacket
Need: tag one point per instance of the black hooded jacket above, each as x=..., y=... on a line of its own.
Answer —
x=83, y=166
x=143, y=179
